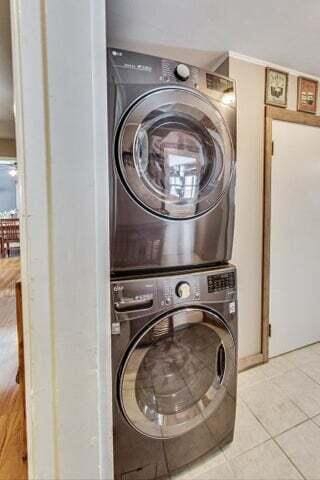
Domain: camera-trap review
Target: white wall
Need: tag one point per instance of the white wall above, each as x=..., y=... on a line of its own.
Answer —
x=247, y=255
x=247, y=252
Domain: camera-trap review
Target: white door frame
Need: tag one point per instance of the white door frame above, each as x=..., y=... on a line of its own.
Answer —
x=59, y=61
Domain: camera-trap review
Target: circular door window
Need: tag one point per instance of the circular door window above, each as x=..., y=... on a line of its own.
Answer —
x=177, y=373
x=175, y=153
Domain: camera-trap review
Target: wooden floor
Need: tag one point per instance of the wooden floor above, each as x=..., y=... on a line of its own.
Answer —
x=9, y=274
x=12, y=466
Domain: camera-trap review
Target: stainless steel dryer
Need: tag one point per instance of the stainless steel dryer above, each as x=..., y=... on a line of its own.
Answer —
x=172, y=130
x=174, y=354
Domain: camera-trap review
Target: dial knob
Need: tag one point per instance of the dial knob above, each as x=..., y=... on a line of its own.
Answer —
x=182, y=72
x=183, y=290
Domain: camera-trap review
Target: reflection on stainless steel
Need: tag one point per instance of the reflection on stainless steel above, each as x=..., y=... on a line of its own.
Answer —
x=171, y=380
x=175, y=153
x=171, y=368
x=171, y=157
x=137, y=245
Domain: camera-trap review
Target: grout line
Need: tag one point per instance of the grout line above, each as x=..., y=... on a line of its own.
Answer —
x=249, y=450
x=292, y=400
x=274, y=437
x=286, y=430
x=266, y=378
x=290, y=459
x=307, y=375
x=258, y=420
x=287, y=397
x=313, y=421
x=271, y=439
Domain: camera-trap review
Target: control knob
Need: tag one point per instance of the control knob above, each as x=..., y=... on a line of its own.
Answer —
x=182, y=72
x=183, y=290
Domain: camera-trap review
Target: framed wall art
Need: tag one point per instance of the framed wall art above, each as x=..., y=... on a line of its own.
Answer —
x=307, y=95
x=276, y=88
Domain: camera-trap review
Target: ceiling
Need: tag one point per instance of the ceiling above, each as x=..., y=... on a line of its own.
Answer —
x=6, y=89
x=285, y=32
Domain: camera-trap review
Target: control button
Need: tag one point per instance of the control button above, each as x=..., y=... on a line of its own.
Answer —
x=183, y=290
x=182, y=72
x=197, y=296
x=115, y=328
x=232, y=307
x=167, y=301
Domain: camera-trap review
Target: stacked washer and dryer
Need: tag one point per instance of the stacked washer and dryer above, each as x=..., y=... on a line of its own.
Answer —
x=172, y=136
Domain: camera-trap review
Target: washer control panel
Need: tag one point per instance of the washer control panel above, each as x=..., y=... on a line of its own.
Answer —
x=221, y=282
x=140, y=296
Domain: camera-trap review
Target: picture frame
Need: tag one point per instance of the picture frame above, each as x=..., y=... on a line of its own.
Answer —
x=276, y=87
x=307, y=95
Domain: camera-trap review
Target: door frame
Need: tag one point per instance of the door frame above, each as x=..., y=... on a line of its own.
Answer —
x=283, y=115
x=62, y=147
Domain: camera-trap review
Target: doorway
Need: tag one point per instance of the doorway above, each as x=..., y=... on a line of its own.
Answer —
x=12, y=421
x=291, y=231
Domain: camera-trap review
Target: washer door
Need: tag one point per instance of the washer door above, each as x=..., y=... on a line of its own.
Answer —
x=175, y=153
x=177, y=373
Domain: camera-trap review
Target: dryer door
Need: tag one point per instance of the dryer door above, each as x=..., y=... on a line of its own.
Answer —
x=175, y=154
x=177, y=373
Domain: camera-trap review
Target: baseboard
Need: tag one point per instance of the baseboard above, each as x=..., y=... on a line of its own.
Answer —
x=250, y=361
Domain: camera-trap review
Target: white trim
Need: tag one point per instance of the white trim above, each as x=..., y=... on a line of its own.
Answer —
x=31, y=147
x=99, y=97
x=59, y=61
x=264, y=63
x=218, y=62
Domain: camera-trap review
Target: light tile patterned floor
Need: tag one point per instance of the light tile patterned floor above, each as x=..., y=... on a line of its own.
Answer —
x=277, y=433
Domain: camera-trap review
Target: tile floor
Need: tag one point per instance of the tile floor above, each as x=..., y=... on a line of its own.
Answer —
x=277, y=433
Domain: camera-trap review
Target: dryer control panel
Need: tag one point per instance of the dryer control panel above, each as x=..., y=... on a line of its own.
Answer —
x=136, y=68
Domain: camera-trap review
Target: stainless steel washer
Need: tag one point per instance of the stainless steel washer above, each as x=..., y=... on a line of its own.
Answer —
x=172, y=132
x=174, y=350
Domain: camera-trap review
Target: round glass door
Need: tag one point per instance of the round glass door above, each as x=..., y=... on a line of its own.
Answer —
x=177, y=373
x=175, y=153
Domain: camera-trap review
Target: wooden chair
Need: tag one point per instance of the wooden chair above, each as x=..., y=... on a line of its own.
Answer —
x=2, y=253
x=9, y=233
